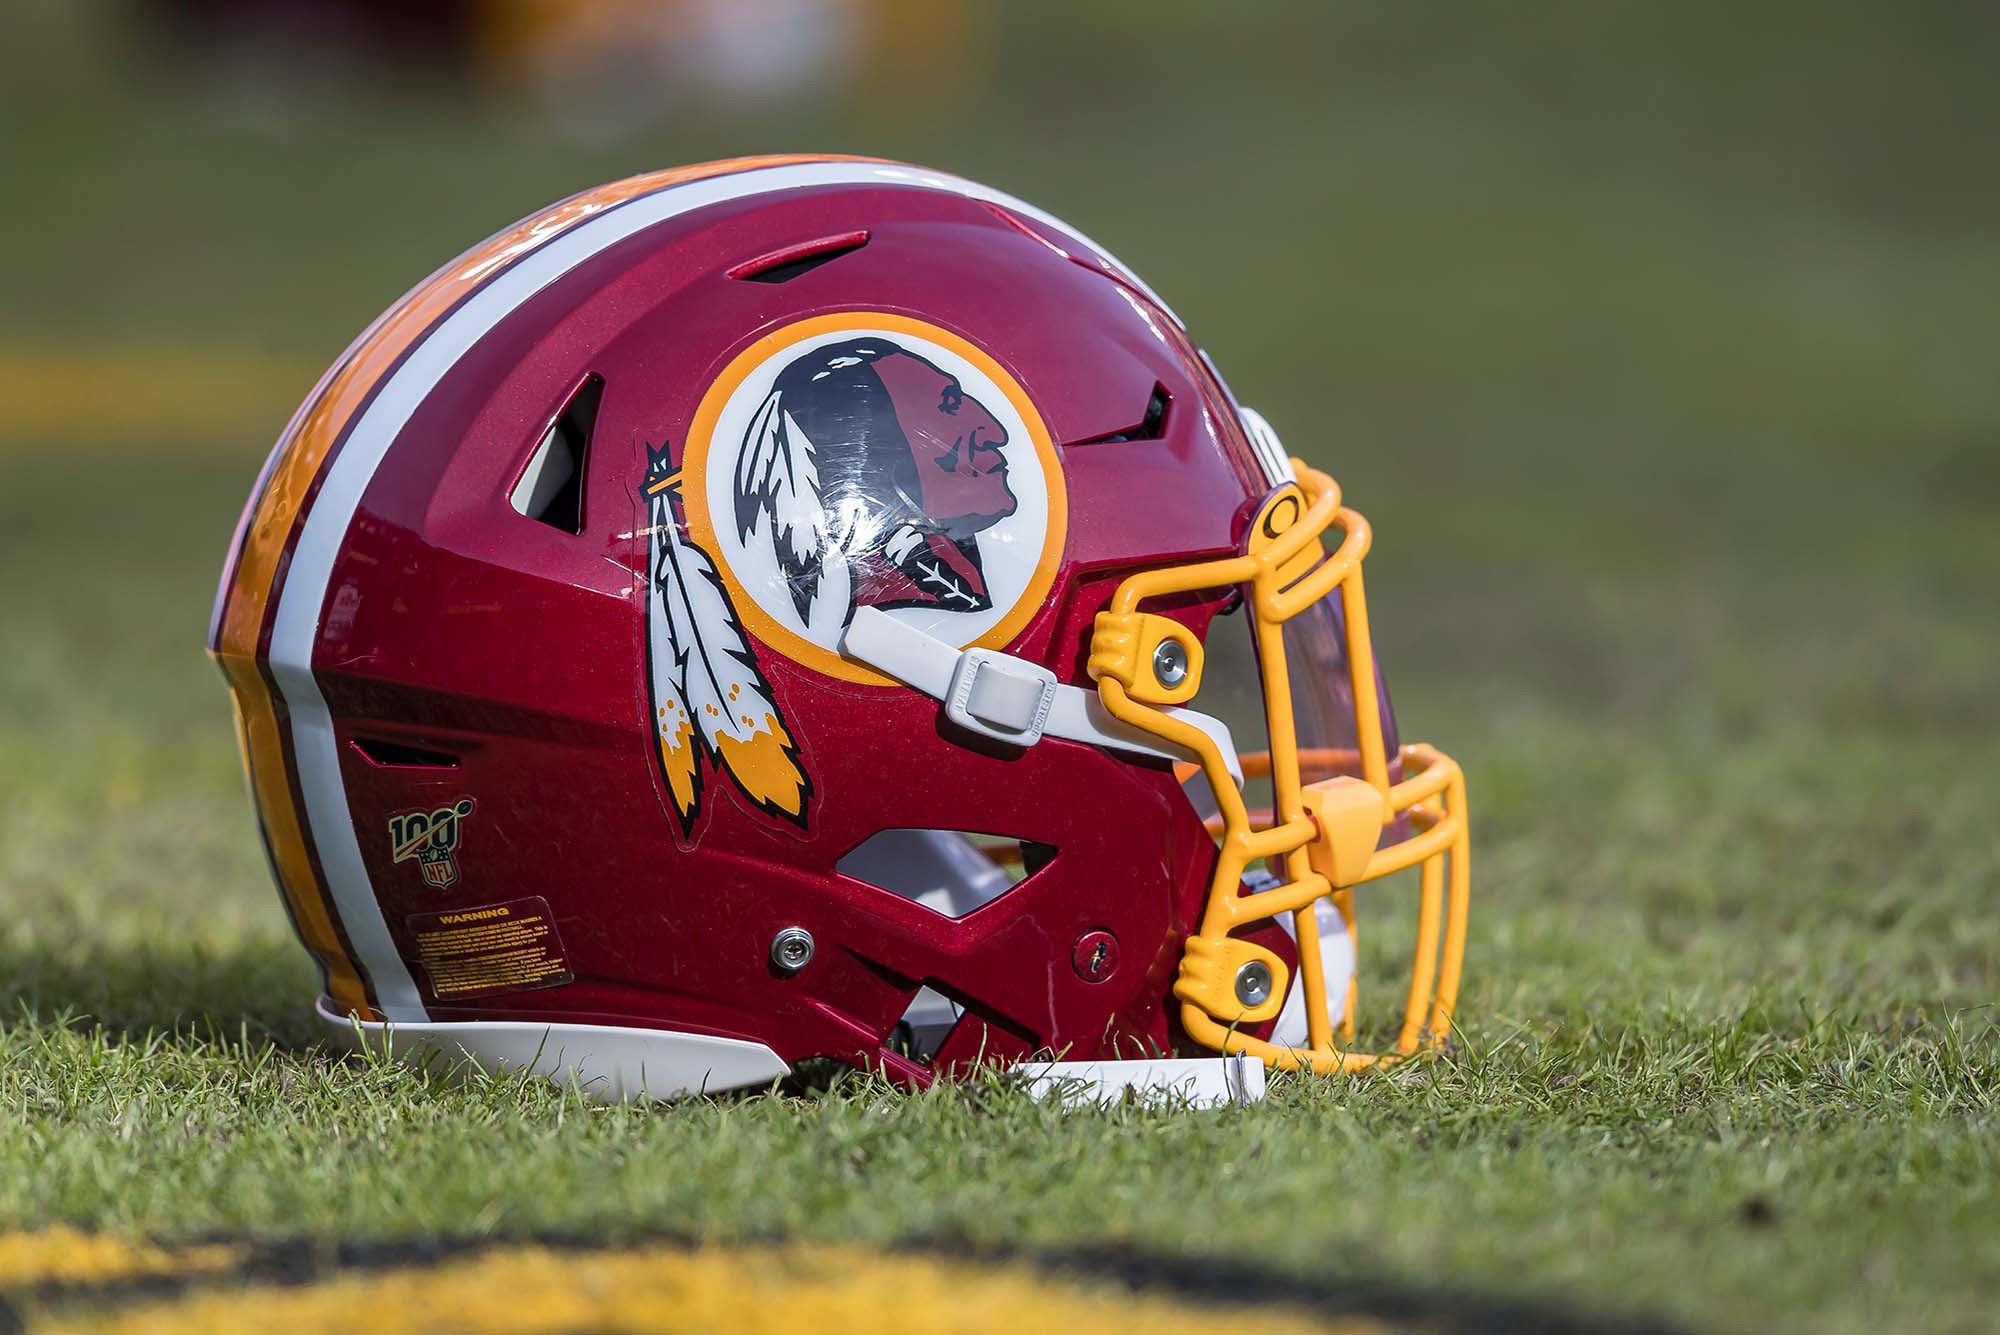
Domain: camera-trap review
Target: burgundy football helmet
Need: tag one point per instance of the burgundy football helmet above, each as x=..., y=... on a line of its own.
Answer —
x=811, y=607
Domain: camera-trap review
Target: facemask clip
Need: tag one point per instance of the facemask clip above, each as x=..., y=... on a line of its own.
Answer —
x=1348, y=812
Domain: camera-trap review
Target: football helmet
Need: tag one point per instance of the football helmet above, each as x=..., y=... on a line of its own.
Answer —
x=815, y=607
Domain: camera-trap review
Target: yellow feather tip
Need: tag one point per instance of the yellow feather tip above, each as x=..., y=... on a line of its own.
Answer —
x=678, y=758
x=764, y=767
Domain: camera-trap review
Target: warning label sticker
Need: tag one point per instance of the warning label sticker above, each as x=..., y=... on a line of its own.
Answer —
x=476, y=952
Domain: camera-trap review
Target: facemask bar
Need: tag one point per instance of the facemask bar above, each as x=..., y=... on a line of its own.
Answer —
x=1323, y=837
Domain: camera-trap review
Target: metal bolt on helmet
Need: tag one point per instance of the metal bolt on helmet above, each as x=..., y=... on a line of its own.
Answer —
x=792, y=949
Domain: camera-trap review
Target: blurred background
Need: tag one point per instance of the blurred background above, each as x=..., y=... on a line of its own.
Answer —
x=1658, y=342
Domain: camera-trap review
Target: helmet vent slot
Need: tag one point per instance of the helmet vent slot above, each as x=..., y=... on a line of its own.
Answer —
x=925, y=1024
x=782, y=266
x=1152, y=425
x=950, y=872
x=385, y=754
x=550, y=488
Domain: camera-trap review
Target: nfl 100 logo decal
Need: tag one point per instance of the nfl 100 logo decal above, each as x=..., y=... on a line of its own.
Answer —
x=430, y=837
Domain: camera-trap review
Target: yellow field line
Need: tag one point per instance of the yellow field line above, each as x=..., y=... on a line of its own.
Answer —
x=145, y=398
x=63, y=1256
x=755, y=1290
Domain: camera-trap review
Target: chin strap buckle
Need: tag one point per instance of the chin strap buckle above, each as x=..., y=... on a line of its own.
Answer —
x=991, y=694
x=999, y=696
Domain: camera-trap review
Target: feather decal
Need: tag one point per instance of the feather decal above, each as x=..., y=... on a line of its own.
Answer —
x=945, y=571
x=942, y=581
x=674, y=726
x=708, y=696
x=778, y=476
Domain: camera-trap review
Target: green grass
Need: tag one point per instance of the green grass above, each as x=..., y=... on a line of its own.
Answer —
x=1660, y=352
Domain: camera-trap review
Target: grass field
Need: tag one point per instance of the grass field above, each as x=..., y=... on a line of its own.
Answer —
x=1659, y=350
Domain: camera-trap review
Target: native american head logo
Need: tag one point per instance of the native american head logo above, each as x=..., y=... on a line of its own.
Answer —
x=863, y=459
x=867, y=455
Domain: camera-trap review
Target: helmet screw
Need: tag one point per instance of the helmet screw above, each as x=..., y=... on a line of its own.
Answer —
x=792, y=950
x=1253, y=983
x=1095, y=955
x=1170, y=663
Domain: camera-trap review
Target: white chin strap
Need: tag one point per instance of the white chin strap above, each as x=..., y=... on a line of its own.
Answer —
x=1336, y=962
x=1009, y=699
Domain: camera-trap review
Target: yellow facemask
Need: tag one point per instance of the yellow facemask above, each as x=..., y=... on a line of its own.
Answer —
x=1324, y=834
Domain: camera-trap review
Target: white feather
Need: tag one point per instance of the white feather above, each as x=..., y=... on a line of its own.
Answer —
x=902, y=543
x=795, y=507
x=718, y=682
x=777, y=477
x=673, y=724
x=667, y=640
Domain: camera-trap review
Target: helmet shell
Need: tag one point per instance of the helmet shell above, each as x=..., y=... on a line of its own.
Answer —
x=402, y=639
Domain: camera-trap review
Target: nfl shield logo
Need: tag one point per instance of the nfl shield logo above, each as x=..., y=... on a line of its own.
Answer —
x=431, y=837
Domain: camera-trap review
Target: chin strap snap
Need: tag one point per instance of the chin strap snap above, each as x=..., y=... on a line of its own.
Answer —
x=1000, y=696
x=1007, y=699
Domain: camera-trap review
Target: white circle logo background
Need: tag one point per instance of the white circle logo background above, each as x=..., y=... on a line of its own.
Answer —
x=1009, y=550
